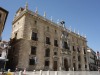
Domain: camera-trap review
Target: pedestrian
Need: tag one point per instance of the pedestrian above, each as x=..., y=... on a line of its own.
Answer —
x=3, y=73
x=16, y=72
x=24, y=72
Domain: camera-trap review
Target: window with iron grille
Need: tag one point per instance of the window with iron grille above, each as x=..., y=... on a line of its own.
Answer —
x=84, y=51
x=34, y=36
x=85, y=66
x=46, y=63
x=56, y=43
x=73, y=48
x=85, y=59
x=66, y=45
x=79, y=66
x=47, y=40
x=78, y=49
x=31, y=61
x=55, y=53
x=33, y=50
x=47, y=52
x=79, y=58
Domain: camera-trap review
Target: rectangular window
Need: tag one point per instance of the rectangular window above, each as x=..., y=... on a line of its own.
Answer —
x=31, y=62
x=79, y=58
x=66, y=45
x=47, y=40
x=33, y=50
x=85, y=66
x=73, y=48
x=79, y=66
x=47, y=52
x=85, y=59
x=46, y=63
x=55, y=43
x=34, y=36
x=78, y=50
x=73, y=57
x=84, y=51
x=55, y=53
x=74, y=66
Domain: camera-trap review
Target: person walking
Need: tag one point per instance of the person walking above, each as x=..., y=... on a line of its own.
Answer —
x=2, y=73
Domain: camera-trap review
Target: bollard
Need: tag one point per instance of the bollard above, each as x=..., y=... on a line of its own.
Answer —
x=40, y=72
x=34, y=71
x=20, y=72
x=48, y=72
x=56, y=73
x=24, y=72
x=73, y=68
x=69, y=69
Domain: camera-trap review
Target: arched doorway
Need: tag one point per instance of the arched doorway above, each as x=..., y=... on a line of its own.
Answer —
x=66, y=64
x=55, y=66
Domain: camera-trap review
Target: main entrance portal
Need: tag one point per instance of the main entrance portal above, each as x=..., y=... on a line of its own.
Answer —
x=55, y=65
x=66, y=64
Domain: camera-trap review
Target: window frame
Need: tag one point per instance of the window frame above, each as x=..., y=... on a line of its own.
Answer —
x=56, y=43
x=48, y=40
x=33, y=50
x=30, y=61
x=34, y=36
x=47, y=52
x=47, y=63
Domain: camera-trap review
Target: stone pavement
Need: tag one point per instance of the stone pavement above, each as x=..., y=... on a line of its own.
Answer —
x=60, y=73
x=65, y=73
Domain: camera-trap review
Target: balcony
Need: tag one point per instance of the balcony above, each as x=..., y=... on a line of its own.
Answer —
x=55, y=56
x=66, y=51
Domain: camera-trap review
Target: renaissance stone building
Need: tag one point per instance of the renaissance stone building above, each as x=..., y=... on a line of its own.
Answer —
x=3, y=17
x=38, y=43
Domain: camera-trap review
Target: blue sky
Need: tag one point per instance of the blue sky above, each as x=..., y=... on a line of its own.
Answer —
x=82, y=15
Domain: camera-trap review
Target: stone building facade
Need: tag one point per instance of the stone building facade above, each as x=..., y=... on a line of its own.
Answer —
x=3, y=17
x=92, y=59
x=3, y=54
x=38, y=43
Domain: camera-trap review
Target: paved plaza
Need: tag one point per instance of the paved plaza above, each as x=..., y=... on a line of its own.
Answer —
x=59, y=73
x=66, y=73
